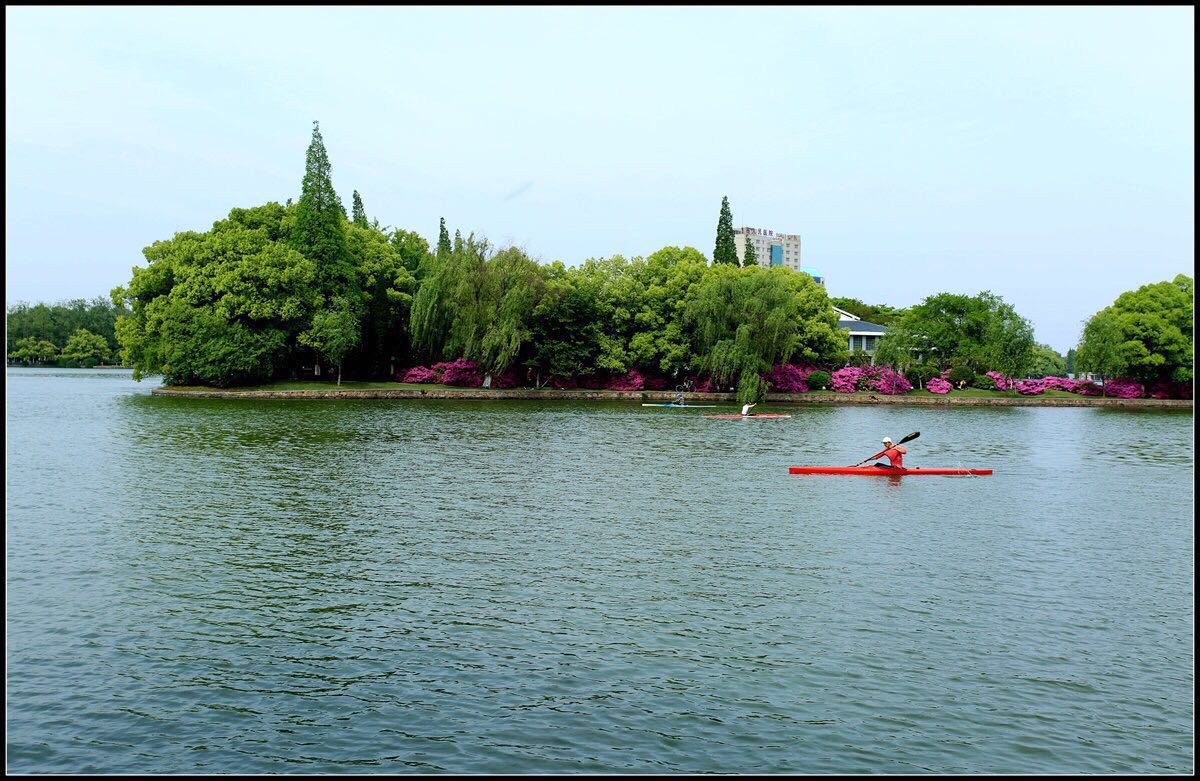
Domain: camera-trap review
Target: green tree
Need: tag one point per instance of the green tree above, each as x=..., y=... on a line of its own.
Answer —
x=359, y=215
x=1071, y=362
x=319, y=232
x=945, y=329
x=1047, y=362
x=32, y=350
x=746, y=320
x=1100, y=349
x=477, y=305
x=458, y=241
x=220, y=308
x=1008, y=345
x=387, y=290
x=1156, y=323
x=412, y=248
x=751, y=256
x=333, y=333
x=85, y=348
x=725, y=250
x=443, y=245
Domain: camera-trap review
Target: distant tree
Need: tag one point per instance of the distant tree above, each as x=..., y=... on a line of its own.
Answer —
x=751, y=255
x=1100, y=348
x=1071, y=361
x=1008, y=345
x=725, y=250
x=1047, y=362
x=85, y=348
x=32, y=350
x=1156, y=324
x=458, y=241
x=880, y=314
x=359, y=215
x=443, y=245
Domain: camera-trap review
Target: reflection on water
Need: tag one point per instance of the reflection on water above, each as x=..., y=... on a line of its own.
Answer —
x=349, y=586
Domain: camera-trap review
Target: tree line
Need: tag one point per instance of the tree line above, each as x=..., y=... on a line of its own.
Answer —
x=77, y=332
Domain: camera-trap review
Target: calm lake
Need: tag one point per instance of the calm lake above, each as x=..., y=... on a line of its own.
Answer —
x=488, y=587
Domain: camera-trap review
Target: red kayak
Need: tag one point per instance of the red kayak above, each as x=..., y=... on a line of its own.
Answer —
x=880, y=471
x=764, y=415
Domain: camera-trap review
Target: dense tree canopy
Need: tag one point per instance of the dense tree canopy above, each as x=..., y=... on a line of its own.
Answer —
x=55, y=323
x=1154, y=326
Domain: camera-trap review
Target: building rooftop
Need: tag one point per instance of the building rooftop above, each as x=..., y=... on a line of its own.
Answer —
x=862, y=327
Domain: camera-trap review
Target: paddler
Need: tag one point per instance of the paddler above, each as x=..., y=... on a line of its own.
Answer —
x=746, y=409
x=679, y=399
x=893, y=453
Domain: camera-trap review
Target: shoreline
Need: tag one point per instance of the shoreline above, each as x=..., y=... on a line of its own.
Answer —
x=666, y=396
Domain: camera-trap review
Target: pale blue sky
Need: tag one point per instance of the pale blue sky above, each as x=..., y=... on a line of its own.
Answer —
x=1044, y=154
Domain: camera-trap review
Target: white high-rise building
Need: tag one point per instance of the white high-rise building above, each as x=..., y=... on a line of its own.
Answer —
x=773, y=249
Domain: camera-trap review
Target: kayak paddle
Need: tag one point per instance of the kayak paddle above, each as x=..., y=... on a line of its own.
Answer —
x=908, y=438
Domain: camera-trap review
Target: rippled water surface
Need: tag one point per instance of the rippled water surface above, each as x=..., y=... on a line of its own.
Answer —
x=373, y=586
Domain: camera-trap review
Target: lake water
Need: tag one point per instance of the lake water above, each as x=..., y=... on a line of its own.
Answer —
x=473, y=586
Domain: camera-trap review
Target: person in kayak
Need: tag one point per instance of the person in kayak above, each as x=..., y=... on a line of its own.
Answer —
x=678, y=399
x=893, y=453
x=746, y=409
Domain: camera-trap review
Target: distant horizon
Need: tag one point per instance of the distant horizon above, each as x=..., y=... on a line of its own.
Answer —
x=1046, y=155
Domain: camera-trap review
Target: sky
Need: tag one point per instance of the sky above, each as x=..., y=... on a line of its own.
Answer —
x=1044, y=154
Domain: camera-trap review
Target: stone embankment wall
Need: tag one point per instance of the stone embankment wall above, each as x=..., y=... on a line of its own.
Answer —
x=949, y=400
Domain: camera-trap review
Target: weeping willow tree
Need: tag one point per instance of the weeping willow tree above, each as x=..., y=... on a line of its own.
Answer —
x=476, y=304
x=743, y=321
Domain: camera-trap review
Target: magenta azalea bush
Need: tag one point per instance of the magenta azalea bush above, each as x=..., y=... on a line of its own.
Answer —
x=890, y=382
x=655, y=382
x=1002, y=382
x=509, y=378
x=789, y=378
x=1121, y=388
x=630, y=381
x=882, y=379
x=421, y=374
x=461, y=373
x=938, y=385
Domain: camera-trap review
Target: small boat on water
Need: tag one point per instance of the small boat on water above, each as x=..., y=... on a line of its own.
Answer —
x=880, y=471
x=682, y=406
x=747, y=417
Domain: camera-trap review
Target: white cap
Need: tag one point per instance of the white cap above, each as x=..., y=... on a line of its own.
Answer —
x=888, y=440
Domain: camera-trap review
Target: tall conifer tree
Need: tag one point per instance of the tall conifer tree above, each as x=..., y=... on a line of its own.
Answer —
x=443, y=245
x=320, y=230
x=751, y=256
x=458, y=244
x=358, y=213
x=726, y=250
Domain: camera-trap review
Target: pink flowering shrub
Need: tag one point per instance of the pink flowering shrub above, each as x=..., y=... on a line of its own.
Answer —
x=461, y=373
x=889, y=381
x=845, y=380
x=509, y=378
x=1169, y=390
x=630, y=381
x=655, y=382
x=1030, y=387
x=564, y=383
x=882, y=379
x=938, y=385
x=789, y=378
x=1121, y=388
x=421, y=374
x=1002, y=382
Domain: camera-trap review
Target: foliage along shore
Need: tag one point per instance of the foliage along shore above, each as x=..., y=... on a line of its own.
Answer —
x=374, y=390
